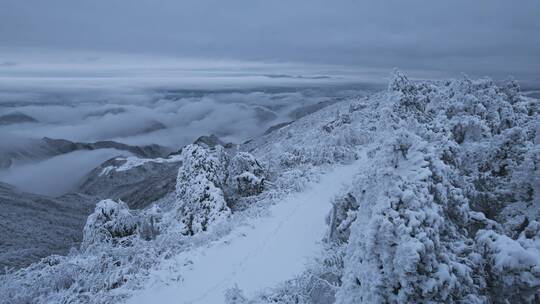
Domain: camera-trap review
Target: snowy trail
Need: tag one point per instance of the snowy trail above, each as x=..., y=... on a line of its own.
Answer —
x=268, y=251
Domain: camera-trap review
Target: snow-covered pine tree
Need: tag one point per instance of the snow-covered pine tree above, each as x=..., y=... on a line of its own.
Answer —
x=111, y=223
x=450, y=212
x=199, y=190
x=245, y=175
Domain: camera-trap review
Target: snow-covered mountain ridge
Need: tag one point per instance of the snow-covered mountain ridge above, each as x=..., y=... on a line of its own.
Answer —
x=445, y=207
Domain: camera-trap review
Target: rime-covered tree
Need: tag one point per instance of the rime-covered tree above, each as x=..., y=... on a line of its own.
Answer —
x=245, y=175
x=110, y=223
x=199, y=190
x=450, y=210
x=340, y=218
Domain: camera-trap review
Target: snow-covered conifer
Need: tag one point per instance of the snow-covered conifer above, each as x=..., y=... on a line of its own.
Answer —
x=245, y=175
x=198, y=190
x=110, y=223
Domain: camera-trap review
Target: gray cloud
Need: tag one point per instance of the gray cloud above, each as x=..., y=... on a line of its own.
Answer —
x=57, y=175
x=478, y=37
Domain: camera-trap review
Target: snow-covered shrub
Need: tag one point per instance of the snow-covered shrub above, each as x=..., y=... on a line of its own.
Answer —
x=111, y=223
x=150, y=224
x=211, y=182
x=340, y=120
x=340, y=218
x=447, y=208
x=400, y=83
x=401, y=248
x=248, y=184
x=91, y=276
x=245, y=175
x=412, y=101
x=512, y=266
x=401, y=146
x=316, y=285
x=301, y=156
x=235, y=295
x=199, y=190
x=512, y=90
x=469, y=128
x=525, y=182
x=492, y=167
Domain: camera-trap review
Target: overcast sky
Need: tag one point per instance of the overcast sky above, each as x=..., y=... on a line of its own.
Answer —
x=478, y=37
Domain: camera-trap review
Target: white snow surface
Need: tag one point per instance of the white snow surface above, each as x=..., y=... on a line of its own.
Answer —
x=264, y=252
x=133, y=161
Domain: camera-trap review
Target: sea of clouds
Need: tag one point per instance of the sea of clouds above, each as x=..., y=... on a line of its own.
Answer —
x=142, y=100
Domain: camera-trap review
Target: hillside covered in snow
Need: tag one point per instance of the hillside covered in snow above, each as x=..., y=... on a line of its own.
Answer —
x=425, y=192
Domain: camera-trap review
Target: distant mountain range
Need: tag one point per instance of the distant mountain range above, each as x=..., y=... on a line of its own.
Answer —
x=30, y=150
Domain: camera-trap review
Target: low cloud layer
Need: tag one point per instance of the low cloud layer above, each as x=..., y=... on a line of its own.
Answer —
x=168, y=118
x=57, y=175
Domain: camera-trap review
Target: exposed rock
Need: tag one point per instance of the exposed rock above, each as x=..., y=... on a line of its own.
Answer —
x=15, y=118
x=151, y=126
x=27, y=150
x=264, y=114
x=277, y=127
x=148, y=151
x=111, y=111
x=138, y=186
x=211, y=141
x=306, y=110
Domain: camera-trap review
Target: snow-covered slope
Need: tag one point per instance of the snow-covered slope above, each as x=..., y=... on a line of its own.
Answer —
x=440, y=204
x=262, y=252
x=34, y=226
x=137, y=181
